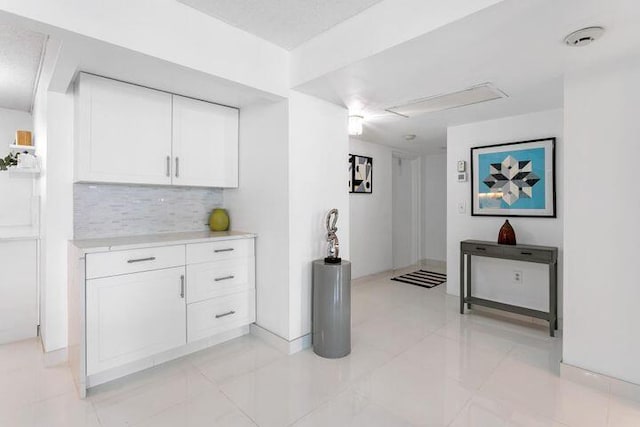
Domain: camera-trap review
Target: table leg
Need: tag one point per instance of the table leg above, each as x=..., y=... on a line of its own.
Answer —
x=461, y=282
x=469, y=278
x=553, y=299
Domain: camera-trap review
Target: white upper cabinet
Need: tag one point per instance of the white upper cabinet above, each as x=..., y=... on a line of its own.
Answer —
x=123, y=133
x=130, y=134
x=205, y=143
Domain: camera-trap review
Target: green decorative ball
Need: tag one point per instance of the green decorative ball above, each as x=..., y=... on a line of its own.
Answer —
x=219, y=220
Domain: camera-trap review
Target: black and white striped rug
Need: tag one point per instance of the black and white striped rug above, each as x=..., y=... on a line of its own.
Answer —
x=424, y=278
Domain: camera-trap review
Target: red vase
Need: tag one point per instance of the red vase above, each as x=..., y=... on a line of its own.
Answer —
x=507, y=236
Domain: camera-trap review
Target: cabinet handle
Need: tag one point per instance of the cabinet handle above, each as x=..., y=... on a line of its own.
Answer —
x=168, y=165
x=526, y=253
x=182, y=286
x=151, y=258
x=218, y=279
x=229, y=313
x=480, y=249
x=177, y=167
x=223, y=250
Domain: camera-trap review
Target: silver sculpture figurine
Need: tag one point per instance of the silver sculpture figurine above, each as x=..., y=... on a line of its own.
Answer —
x=333, y=247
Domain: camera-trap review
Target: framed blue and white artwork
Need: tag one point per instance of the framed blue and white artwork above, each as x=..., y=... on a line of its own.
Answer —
x=514, y=179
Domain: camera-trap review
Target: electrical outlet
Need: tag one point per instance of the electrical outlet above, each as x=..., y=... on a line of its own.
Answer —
x=517, y=277
x=462, y=207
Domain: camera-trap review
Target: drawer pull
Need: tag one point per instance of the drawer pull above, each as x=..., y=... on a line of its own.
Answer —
x=480, y=249
x=218, y=279
x=526, y=253
x=151, y=258
x=223, y=250
x=229, y=313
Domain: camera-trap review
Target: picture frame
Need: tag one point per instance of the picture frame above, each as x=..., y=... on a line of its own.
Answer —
x=514, y=179
x=360, y=174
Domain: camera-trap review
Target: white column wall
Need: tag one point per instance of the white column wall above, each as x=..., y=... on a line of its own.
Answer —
x=55, y=149
x=261, y=205
x=601, y=227
x=318, y=154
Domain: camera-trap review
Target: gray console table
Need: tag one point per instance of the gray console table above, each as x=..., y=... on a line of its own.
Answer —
x=539, y=254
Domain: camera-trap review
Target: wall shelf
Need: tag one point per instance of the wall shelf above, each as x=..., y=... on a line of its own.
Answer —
x=24, y=171
x=22, y=147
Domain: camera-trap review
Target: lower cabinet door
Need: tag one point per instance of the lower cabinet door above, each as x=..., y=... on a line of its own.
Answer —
x=18, y=290
x=134, y=316
x=216, y=315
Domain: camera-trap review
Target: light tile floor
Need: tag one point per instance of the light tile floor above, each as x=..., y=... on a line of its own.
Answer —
x=415, y=362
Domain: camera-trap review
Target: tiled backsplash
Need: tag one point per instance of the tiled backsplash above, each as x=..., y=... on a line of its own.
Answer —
x=103, y=210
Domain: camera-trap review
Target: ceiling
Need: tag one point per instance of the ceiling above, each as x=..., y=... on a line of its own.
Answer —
x=286, y=23
x=517, y=46
x=20, y=54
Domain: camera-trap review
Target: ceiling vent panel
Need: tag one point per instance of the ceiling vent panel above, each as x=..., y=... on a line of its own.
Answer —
x=473, y=95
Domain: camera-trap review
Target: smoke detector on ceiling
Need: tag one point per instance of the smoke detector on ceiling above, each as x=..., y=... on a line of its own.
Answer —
x=584, y=37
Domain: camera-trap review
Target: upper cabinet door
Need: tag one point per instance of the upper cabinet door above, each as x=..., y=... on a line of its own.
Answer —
x=123, y=132
x=205, y=144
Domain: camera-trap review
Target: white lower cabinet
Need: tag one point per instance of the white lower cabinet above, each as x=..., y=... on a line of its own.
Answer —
x=18, y=290
x=151, y=304
x=133, y=316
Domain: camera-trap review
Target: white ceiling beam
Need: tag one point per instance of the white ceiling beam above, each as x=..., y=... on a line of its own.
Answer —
x=382, y=26
x=170, y=31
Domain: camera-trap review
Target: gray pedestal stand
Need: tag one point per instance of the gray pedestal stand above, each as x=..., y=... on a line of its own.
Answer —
x=331, y=309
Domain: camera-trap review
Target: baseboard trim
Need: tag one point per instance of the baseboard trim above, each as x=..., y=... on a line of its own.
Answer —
x=55, y=357
x=379, y=275
x=600, y=382
x=281, y=344
x=159, y=359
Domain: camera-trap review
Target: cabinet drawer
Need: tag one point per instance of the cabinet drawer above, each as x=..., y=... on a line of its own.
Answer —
x=218, y=251
x=211, y=317
x=534, y=255
x=214, y=279
x=479, y=249
x=106, y=264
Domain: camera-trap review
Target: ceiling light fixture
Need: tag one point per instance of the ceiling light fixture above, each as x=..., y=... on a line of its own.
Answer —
x=355, y=125
x=584, y=36
x=473, y=95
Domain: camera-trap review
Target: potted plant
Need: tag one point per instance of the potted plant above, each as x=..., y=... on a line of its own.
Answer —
x=10, y=160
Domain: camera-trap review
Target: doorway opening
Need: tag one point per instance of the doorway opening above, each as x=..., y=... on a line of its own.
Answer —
x=406, y=202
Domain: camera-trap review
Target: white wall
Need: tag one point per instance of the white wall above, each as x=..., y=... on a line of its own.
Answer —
x=261, y=205
x=434, y=207
x=10, y=122
x=370, y=214
x=21, y=217
x=601, y=227
x=492, y=277
x=318, y=153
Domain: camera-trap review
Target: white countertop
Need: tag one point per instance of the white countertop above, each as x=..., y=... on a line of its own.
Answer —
x=107, y=244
